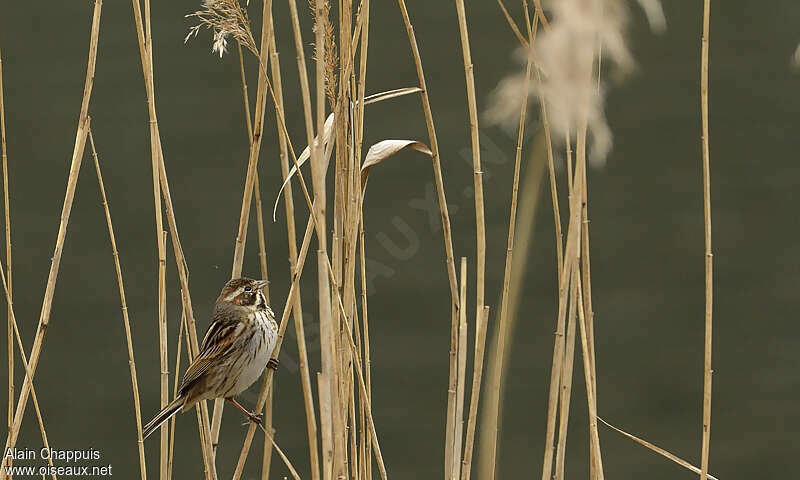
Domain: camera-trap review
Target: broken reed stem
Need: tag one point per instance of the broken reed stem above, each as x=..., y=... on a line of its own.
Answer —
x=183, y=275
x=477, y=368
x=249, y=184
x=72, y=180
x=26, y=367
x=657, y=449
x=709, y=271
x=462, y=373
x=126, y=321
x=452, y=455
x=7, y=207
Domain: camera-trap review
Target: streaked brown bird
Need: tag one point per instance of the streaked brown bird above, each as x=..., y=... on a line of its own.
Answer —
x=237, y=347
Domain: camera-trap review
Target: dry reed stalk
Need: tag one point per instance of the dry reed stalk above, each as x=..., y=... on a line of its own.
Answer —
x=658, y=450
x=333, y=428
x=480, y=221
x=450, y=452
x=490, y=421
x=571, y=252
x=7, y=206
x=462, y=373
x=175, y=384
x=126, y=321
x=579, y=191
x=709, y=270
x=26, y=367
x=365, y=327
x=72, y=180
x=566, y=378
x=452, y=455
x=162, y=263
x=155, y=142
x=162, y=324
x=513, y=24
x=341, y=217
x=302, y=351
x=437, y=168
x=363, y=21
x=587, y=290
x=247, y=196
x=477, y=369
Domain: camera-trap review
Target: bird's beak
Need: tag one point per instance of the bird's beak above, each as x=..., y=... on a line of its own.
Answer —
x=261, y=284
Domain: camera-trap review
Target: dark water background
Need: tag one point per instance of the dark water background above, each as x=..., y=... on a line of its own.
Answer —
x=647, y=236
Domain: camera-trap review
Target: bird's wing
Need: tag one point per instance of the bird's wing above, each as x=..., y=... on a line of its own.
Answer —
x=217, y=343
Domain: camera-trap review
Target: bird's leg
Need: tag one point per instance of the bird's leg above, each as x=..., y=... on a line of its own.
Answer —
x=254, y=417
x=273, y=364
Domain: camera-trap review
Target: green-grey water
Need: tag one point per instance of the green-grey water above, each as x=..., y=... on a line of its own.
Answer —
x=646, y=236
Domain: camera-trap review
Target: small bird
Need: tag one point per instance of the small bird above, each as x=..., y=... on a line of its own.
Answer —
x=237, y=347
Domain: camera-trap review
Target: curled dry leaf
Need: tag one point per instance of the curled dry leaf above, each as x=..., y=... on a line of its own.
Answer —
x=385, y=149
x=327, y=134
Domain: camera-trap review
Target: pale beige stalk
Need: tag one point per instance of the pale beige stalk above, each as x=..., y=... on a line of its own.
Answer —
x=497, y=359
x=72, y=180
x=7, y=208
x=657, y=449
x=477, y=369
x=579, y=191
x=709, y=270
x=566, y=377
x=437, y=168
x=461, y=374
x=25, y=366
x=125, y=320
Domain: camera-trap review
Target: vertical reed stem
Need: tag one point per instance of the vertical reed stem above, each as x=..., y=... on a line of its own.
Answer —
x=7, y=207
x=709, y=271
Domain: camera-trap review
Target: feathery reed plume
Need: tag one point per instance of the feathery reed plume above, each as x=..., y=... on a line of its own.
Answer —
x=224, y=18
x=567, y=54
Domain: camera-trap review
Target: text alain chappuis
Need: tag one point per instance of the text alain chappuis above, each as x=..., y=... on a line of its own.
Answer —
x=28, y=462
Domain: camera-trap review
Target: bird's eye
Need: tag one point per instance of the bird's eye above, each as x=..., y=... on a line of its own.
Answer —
x=248, y=288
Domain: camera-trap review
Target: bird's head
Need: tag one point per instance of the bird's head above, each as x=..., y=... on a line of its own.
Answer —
x=244, y=292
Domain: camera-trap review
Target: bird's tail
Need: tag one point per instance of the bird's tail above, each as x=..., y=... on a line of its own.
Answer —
x=168, y=412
